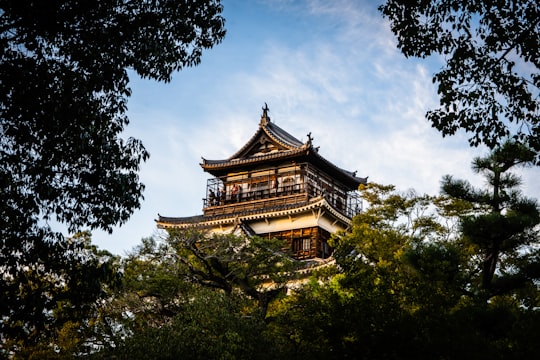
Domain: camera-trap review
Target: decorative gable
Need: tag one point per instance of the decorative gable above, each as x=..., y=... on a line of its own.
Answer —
x=259, y=146
x=268, y=139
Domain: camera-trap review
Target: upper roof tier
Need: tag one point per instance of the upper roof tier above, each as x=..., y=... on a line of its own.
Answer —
x=272, y=145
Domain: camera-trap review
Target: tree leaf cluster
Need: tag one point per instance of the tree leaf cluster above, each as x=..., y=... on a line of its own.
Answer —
x=257, y=267
x=64, y=69
x=191, y=295
x=399, y=293
x=57, y=301
x=504, y=227
x=490, y=79
x=209, y=324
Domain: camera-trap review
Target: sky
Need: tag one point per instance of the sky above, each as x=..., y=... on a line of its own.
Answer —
x=331, y=68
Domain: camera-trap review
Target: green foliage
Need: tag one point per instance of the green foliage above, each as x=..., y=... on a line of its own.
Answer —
x=63, y=305
x=381, y=302
x=256, y=266
x=503, y=228
x=196, y=296
x=489, y=83
x=63, y=100
x=163, y=271
x=209, y=324
x=407, y=285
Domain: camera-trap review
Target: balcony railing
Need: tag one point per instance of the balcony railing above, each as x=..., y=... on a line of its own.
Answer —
x=259, y=193
x=257, y=204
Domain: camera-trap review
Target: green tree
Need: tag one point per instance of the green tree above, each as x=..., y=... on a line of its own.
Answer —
x=257, y=267
x=207, y=324
x=502, y=229
x=198, y=296
x=375, y=304
x=63, y=99
x=405, y=285
x=490, y=81
x=74, y=299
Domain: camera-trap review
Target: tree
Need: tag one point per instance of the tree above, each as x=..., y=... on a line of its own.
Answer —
x=376, y=304
x=57, y=312
x=63, y=99
x=208, y=324
x=405, y=285
x=199, y=296
x=490, y=81
x=503, y=226
x=257, y=267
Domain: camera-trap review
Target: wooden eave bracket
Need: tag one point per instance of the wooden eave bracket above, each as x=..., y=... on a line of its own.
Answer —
x=319, y=213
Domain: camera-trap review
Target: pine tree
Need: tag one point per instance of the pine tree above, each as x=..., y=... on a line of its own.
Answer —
x=502, y=228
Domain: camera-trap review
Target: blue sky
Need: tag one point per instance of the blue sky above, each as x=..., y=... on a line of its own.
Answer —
x=326, y=67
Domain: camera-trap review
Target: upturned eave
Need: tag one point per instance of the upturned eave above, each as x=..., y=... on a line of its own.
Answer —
x=201, y=221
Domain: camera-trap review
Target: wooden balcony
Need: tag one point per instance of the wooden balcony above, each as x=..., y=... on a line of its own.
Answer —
x=252, y=203
x=225, y=197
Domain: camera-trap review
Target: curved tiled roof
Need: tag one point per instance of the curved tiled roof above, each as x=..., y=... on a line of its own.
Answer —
x=255, y=159
x=302, y=154
x=203, y=221
x=281, y=136
x=291, y=148
x=274, y=132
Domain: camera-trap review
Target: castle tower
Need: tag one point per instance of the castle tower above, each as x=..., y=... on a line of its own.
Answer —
x=277, y=186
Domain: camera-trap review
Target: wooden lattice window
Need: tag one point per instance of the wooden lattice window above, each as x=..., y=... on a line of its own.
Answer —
x=302, y=245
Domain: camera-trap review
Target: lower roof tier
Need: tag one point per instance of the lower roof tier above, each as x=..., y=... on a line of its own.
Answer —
x=315, y=212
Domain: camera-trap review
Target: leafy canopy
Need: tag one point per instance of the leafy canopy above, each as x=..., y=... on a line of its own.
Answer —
x=409, y=274
x=64, y=93
x=199, y=295
x=490, y=81
x=255, y=266
x=56, y=303
x=63, y=100
x=503, y=227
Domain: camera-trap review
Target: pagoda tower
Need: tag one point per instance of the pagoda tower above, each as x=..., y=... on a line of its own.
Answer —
x=278, y=187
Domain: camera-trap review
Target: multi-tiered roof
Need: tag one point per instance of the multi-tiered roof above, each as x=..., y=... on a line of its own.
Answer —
x=272, y=183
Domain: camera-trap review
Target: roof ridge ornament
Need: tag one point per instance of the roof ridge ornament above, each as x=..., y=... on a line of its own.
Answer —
x=309, y=140
x=265, y=119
